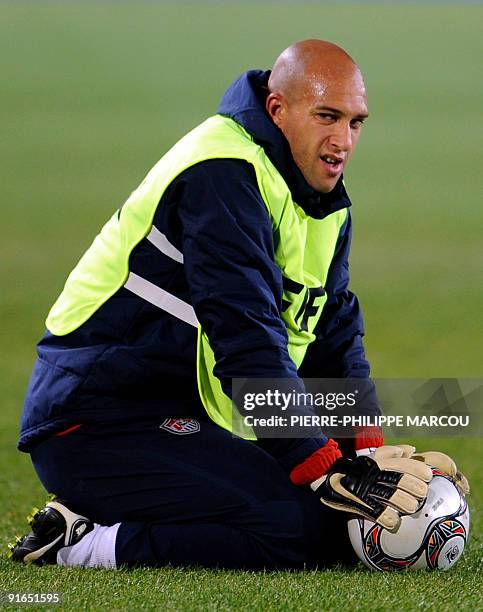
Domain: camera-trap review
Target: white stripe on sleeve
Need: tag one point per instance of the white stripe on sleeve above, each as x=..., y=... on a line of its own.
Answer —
x=160, y=241
x=161, y=298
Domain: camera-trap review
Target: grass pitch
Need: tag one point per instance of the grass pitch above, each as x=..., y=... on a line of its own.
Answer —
x=94, y=93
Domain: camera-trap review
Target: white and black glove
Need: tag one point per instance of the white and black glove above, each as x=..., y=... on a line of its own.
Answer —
x=444, y=464
x=381, y=486
x=440, y=462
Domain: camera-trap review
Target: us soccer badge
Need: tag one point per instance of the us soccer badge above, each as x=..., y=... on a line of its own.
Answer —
x=180, y=427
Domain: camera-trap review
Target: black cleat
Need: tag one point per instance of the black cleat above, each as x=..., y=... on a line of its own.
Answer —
x=53, y=527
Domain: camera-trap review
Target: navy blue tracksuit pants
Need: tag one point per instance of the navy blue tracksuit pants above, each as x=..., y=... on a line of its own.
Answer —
x=204, y=498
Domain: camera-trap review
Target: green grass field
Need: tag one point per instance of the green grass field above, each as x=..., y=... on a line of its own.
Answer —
x=92, y=94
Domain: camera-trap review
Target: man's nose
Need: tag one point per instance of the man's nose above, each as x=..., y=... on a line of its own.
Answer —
x=341, y=137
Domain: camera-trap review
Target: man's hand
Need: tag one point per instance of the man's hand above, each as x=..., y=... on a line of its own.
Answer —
x=439, y=461
x=381, y=487
x=444, y=464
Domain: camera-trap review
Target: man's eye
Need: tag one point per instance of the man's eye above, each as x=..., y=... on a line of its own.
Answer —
x=327, y=116
x=357, y=123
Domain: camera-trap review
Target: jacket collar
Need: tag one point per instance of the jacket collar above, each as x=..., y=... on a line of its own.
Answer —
x=244, y=102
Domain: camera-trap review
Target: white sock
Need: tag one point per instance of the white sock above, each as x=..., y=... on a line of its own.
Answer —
x=96, y=549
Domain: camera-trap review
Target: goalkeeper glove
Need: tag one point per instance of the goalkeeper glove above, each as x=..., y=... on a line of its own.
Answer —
x=439, y=461
x=381, y=486
x=444, y=464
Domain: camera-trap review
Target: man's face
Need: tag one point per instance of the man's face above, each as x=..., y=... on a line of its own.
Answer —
x=322, y=125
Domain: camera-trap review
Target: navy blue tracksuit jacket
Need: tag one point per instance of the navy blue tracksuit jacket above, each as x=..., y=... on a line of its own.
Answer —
x=132, y=361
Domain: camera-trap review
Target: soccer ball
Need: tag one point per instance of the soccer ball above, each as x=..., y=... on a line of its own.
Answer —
x=432, y=538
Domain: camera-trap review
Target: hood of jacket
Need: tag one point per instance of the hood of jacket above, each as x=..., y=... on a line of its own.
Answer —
x=244, y=102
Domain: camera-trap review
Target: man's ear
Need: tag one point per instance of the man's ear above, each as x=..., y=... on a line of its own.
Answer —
x=275, y=107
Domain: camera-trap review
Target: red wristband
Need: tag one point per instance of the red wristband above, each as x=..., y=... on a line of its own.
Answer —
x=316, y=465
x=368, y=437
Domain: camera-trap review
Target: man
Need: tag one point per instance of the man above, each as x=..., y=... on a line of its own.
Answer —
x=229, y=261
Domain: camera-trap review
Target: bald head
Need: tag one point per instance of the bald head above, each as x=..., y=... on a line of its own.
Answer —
x=310, y=66
x=317, y=98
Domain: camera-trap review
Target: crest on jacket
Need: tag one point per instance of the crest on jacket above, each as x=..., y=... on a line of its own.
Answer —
x=181, y=427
